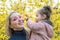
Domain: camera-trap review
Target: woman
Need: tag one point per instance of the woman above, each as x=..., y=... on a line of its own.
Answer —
x=15, y=27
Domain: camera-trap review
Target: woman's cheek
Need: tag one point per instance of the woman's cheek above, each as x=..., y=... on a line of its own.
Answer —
x=14, y=22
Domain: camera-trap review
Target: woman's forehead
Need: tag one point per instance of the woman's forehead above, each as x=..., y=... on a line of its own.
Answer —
x=15, y=15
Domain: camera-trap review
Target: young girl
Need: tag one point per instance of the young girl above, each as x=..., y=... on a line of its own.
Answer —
x=15, y=27
x=42, y=28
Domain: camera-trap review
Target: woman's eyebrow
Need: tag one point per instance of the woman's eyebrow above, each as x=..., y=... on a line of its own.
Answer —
x=19, y=16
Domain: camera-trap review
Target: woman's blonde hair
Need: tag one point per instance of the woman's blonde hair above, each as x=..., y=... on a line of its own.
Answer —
x=8, y=29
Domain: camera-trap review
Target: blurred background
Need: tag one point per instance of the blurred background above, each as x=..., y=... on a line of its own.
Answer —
x=29, y=7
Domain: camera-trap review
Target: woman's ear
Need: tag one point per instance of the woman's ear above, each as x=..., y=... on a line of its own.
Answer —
x=44, y=16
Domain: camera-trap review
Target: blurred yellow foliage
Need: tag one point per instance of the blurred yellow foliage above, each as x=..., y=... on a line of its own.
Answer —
x=27, y=7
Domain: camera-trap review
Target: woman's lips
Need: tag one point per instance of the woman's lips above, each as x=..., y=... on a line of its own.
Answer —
x=20, y=23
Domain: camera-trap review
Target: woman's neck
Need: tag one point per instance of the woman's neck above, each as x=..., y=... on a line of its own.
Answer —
x=17, y=29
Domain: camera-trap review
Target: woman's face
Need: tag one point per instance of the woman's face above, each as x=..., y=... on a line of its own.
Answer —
x=38, y=16
x=16, y=20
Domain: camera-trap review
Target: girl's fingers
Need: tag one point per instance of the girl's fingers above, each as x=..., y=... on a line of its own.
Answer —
x=26, y=15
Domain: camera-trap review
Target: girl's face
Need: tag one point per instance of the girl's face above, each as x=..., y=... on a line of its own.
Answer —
x=16, y=20
x=38, y=16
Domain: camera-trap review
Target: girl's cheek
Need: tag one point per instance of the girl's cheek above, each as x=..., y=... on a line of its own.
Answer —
x=36, y=18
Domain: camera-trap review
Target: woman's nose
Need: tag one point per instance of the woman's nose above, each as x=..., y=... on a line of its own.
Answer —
x=21, y=20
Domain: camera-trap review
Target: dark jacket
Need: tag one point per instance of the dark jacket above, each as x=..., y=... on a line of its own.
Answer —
x=19, y=35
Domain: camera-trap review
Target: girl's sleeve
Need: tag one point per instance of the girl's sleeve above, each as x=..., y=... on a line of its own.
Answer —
x=49, y=29
x=33, y=25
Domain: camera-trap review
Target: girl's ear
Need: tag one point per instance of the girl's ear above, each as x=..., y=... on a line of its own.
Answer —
x=44, y=16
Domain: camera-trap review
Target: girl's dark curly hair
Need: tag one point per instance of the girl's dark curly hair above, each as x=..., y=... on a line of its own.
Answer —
x=46, y=10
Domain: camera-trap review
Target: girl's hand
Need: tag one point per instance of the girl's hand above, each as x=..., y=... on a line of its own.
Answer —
x=27, y=19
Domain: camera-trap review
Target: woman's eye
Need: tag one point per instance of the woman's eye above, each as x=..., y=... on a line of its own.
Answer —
x=14, y=19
